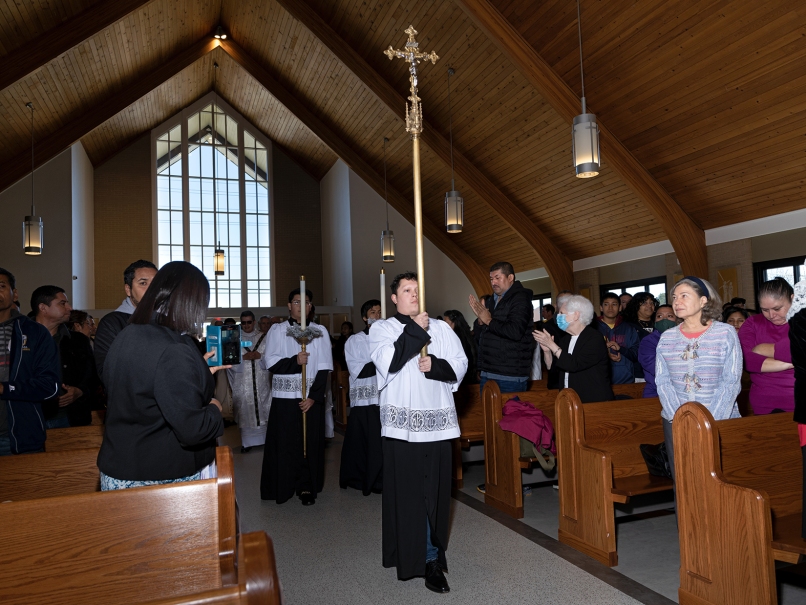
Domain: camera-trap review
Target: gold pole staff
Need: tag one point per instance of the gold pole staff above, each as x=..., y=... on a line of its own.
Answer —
x=414, y=126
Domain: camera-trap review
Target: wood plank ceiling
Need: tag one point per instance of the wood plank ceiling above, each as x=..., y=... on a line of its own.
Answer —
x=708, y=95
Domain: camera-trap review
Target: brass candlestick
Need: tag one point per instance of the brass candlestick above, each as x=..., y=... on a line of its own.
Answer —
x=414, y=126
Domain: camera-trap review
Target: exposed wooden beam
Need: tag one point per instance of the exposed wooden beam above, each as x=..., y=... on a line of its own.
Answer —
x=29, y=57
x=557, y=263
x=687, y=238
x=479, y=278
x=76, y=127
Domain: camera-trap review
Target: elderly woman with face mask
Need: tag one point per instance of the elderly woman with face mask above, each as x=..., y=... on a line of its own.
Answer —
x=698, y=360
x=765, y=345
x=580, y=352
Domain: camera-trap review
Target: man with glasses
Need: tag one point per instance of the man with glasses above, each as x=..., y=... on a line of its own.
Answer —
x=251, y=387
x=287, y=467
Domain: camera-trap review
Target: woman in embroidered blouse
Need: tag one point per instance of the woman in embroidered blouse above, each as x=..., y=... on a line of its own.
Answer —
x=699, y=360
x=765, y=346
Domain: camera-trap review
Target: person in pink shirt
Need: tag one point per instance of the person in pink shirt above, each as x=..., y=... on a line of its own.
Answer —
x=765, y=346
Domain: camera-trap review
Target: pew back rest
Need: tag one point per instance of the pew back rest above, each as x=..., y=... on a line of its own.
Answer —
x=470, y=412
x=632, y=389
x=763, y=453
x=49, y=474
x=619, y=428
x=74, y=438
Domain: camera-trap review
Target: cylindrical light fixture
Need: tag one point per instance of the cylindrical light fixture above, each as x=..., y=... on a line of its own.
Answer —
x=219, y=260
x=585, y=130
x=33, y=229
x=388, y=246
x=454, y=211
x=220, y=34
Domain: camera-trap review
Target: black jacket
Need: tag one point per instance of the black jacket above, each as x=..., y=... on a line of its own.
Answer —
x=78, y=370
x=797, y=344
x=159, y=424
x=109, y=327
x=506, y=344
x=588, y=367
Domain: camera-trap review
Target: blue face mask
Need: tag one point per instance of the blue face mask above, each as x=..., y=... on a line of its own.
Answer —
x=562, y=322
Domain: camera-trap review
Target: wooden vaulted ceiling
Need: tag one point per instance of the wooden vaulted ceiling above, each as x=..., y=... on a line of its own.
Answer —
x=708, y=96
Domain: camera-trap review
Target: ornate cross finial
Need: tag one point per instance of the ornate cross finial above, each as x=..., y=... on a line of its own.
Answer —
x=412, y=56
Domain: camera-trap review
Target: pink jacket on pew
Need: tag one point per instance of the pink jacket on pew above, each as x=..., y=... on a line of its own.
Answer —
x=528, y=422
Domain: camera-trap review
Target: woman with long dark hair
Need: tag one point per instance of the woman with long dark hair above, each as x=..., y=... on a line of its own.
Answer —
x=457, y=321
x=640, y=312
x=162, y=420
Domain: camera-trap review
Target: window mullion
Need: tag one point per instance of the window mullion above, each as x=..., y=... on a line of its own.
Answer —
x=185, y=189
x=242, y=219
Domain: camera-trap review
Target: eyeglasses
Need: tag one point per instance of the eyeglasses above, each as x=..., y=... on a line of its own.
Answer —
x=296, y=303
x=247, y=322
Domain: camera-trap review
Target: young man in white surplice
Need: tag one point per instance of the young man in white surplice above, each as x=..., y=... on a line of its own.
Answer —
x=418, y=420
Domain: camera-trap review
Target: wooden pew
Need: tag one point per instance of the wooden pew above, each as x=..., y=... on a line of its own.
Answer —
x=600, y=463
x=502, y=461
x=43, y=475
x=739, y=504
x=341, y=397
x=106, y=548
x=470, y=414
x=257, y=578
x=74, y=438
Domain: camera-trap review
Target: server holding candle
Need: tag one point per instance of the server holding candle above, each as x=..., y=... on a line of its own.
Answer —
x=293, y=464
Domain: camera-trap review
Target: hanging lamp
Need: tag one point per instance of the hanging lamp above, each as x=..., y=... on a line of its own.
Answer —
x=454, y=202
x=219, y=256
x=220, y=34
x=387, y=236
x=585, y=130
x=33, y=228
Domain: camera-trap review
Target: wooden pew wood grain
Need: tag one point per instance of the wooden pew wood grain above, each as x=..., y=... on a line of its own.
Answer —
x=739, y=504
x=43, y=475
x=74, y=438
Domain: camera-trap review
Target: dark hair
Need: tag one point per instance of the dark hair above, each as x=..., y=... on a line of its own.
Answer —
x=365, y=308
x=630, y=312
x=610, y=295
x=462, y=330
x=11, y=279
x=77, y=317
x=410, y=275
x=776, y=288
x=247, y=313
x=296, y=292
x=625, y=294
x=736, y=300
x=177, y=299
x=44, y=295
x=229, y=321
x=549, y=308
x=731, y=310
x=659, y=307
x=504, y=267
x=128, y=274
x=347, y=323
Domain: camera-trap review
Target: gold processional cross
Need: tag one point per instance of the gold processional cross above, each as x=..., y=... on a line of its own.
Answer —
x=414, y=126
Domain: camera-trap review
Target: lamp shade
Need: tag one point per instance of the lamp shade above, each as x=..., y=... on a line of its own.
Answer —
x=219, y=263
x=33, y=230
x=585, y=137
x=454, y=212
x=388, y=246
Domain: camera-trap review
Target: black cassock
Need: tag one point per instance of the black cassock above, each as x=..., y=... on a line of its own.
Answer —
x=362, y=454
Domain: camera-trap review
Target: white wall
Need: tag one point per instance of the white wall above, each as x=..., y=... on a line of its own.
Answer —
x=447, y=286
x=53, y=193
x=337, y=278
x=83, y=228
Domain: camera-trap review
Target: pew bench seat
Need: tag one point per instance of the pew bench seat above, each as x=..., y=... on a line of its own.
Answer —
x=625, y=488
x=526, y=462
x=787, y=543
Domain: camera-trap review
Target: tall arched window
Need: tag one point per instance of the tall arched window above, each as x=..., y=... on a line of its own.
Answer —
x=212, y=191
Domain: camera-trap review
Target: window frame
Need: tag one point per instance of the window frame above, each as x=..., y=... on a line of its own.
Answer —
x=544, y=299
x=181, y=118
x=759, y=268
x=619, y=287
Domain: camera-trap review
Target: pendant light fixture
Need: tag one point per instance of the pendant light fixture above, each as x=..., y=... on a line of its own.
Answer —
x=585, y=130
x=32, y=227
x=387, y=236
x=219, y=256
x=220, y=34
x=454, y=202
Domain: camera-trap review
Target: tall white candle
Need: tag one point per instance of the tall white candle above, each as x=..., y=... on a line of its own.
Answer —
x=303, y=307
x=383, y=294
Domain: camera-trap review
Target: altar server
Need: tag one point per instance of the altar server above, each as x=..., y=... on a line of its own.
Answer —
x=251, y=387
x=285, y=470
x=361, y=453
x=418, y=420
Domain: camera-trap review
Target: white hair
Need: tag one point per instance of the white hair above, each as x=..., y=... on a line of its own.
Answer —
x=581, y=304
x=561, y=300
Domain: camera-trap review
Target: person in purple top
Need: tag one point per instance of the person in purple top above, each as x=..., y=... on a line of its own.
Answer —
x=664, y=319
x=765, y=346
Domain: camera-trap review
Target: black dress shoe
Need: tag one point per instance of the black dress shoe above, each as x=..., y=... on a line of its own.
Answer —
x=307, y=498
x=434, y=578
x=245, y=449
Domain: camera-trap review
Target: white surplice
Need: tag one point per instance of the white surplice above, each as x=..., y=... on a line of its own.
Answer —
x=247, y=378
x=363, y=391
x=413, y=407
x=282, y=346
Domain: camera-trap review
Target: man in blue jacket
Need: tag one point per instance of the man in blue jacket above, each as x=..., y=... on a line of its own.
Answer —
x=622, y=340
x=29, y=374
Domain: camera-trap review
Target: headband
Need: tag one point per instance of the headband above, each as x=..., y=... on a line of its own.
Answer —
x=701, y=284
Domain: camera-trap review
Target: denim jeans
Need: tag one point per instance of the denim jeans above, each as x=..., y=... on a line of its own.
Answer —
x=431, y=551
x=5, y=445
x=57, y=422
x=506, y=386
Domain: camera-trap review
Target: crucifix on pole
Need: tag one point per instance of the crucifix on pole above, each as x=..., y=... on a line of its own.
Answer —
x=414, y=126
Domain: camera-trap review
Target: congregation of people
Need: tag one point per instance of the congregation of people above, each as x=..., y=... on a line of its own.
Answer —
x=165, y=410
